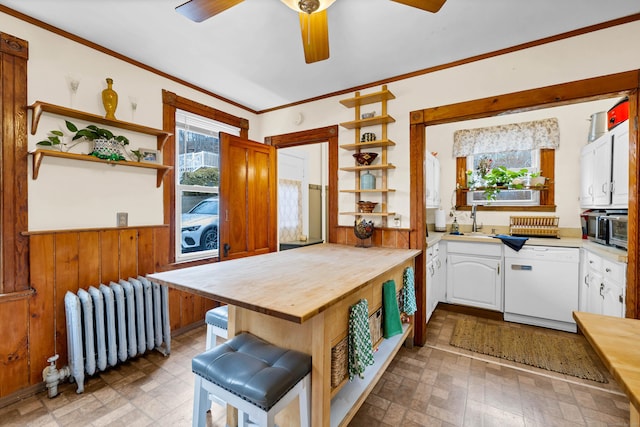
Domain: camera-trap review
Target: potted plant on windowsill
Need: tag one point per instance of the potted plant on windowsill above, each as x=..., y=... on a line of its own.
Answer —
x=537, y=180
x=500, y=178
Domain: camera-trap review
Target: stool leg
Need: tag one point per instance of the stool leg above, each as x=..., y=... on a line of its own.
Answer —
x=200, y=403
x=211, y=338
x=304, y=399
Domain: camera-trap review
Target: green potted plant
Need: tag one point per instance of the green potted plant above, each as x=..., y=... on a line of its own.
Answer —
x=537, y=180
x=106, y=144
x=500, y=177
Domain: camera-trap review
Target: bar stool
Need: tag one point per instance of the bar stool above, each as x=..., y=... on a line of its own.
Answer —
x=254, y=376
x=217, y=320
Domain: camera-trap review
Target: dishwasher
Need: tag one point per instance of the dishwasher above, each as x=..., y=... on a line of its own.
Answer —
x=541, y=286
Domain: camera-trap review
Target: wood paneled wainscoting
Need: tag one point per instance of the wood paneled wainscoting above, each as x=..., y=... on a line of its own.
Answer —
x=33, y=321
x=399, y=238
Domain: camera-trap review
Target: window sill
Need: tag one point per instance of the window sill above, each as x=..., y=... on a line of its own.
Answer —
x=504, y=208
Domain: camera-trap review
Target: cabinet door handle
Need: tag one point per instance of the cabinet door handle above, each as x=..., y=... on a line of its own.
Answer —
x=586, y=280
x=621, y=299
x=498, y=269
x=608, y=270
x=601, y=289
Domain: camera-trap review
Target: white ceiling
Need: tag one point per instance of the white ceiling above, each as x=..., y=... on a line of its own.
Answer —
x=252, y=53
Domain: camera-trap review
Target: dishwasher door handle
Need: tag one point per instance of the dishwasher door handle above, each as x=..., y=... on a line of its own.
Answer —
x=521, y=267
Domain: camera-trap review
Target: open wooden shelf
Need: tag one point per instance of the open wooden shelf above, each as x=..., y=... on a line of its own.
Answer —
x=369, y=144
x=39, y=107
x=38, y=155
x=368, y=167
x=371, y=98
x=375, y=190
x=360, y=123
x=382, y=214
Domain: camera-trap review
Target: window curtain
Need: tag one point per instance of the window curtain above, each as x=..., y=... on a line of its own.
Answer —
x=511, y=137
x=290, y=209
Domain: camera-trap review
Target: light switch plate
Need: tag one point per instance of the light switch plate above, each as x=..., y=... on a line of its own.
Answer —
x=123, y=219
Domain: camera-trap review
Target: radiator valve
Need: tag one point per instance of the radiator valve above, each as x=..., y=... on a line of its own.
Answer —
x=52, y=376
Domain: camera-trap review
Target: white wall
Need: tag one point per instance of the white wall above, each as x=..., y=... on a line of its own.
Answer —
x=71, y=194
x=74, y=194
x=567, y=60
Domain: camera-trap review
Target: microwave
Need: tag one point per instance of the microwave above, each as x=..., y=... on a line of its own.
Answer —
x=594, y=226
x=617, y=230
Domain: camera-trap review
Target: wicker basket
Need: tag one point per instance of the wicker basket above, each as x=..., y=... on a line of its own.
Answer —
x=340, y=352
x=375, y=327
x=339, y=360
x=534, y=226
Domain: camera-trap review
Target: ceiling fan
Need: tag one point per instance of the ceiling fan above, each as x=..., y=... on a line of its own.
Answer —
x=313, y=19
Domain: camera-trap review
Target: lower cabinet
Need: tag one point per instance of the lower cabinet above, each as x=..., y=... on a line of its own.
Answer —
x=602, y=286
x=474, y=275
x=436, y=289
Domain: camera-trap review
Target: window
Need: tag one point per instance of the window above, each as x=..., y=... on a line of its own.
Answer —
x=197, y=180
x=478, y=165
x=486, y=156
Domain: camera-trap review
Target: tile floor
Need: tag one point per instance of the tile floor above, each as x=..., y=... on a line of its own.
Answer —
x=434, y=385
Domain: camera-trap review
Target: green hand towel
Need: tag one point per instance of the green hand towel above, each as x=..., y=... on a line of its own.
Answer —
x=391, y=312
x=360, y=348
x=409, y=305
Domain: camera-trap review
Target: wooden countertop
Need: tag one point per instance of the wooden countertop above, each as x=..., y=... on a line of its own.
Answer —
x=617, y=342
x=294, y=285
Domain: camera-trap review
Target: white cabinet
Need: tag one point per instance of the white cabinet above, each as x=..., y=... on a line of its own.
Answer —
x=604, y=170
x=436, y=290
x=603, y=284
x=474, y=274
x=587, y=168
x=432, y=181
x=620, y=170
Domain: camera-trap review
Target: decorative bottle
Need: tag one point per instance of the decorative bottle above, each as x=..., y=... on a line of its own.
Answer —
x=367, y=181
x=110, y=100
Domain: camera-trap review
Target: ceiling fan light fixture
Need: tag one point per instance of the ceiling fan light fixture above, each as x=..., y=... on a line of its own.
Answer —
x=308, y=6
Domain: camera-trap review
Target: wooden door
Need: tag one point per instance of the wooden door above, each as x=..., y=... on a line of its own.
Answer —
x=248, y=205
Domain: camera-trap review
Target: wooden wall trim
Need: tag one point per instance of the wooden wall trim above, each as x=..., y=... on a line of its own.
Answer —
x=14, y=247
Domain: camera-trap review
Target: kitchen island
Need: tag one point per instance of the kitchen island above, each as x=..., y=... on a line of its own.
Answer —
x=300, y=299
x=617, y=342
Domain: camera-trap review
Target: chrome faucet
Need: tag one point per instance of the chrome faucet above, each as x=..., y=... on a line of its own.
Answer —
x=474, y=224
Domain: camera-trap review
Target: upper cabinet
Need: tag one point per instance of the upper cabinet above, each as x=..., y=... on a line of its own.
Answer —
x=604, y=170
x=366, y=183
x=39, y=107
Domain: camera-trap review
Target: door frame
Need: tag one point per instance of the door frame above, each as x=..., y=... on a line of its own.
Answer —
x=625, y=83
x=328, y=134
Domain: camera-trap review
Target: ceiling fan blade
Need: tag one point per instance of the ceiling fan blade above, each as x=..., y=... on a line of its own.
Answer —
x=199, y=10
x=428, y=5
x=315, y=36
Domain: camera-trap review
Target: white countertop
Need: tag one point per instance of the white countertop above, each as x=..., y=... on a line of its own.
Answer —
x=615, y=254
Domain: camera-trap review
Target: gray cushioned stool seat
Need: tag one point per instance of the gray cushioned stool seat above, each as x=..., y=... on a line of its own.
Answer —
x=253, y=369
x=218, y=316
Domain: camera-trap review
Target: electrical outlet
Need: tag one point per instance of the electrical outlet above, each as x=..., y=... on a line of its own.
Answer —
x=123, y=219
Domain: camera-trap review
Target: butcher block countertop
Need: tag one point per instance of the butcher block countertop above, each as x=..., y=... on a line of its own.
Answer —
x=294, y=285
x=617, y=342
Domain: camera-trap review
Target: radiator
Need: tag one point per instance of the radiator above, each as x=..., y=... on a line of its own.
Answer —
x=111, y=324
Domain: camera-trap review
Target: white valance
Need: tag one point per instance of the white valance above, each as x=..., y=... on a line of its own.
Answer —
x=512, y=137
